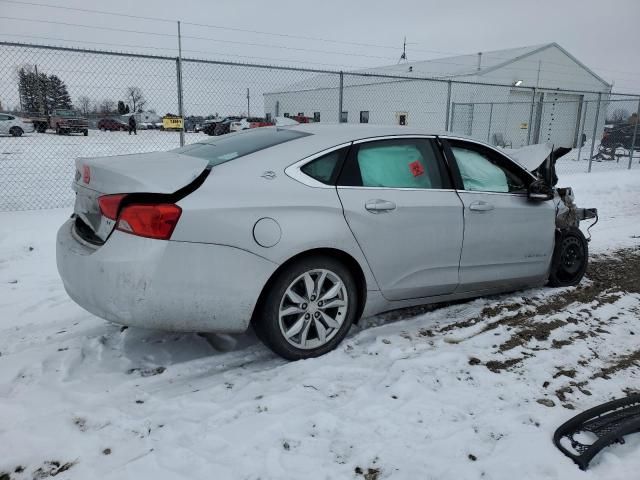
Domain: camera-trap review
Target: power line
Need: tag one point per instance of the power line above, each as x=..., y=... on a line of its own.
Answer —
x=205, y=52
x=277, y=34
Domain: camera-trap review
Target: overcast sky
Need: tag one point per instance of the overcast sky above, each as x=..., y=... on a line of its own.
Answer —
x=605, y=35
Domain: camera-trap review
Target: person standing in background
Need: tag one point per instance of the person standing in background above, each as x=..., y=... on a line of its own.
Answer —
x=132, y=125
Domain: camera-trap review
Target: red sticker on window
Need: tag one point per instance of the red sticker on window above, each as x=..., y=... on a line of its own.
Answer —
x=416, y=168
x=86, y=174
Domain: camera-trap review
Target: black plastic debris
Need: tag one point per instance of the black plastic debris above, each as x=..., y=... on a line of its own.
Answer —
x=585, y=435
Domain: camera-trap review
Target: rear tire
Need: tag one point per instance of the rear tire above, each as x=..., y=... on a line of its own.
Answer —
x=308, y=309
x=16, y=131
x=570, y=258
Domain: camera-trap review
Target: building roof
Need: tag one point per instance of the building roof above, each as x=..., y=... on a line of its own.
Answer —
x=439, y=68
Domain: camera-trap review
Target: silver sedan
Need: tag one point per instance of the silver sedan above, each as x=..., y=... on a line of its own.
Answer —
x=301, y=231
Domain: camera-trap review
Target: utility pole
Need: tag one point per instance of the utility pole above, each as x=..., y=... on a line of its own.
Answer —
x=180, y=111
x=248, y=104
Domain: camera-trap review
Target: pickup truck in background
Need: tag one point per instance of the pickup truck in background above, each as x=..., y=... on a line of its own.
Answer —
x=64, y=122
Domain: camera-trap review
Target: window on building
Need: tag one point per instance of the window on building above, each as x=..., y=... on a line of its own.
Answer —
x=286, y=115
x=364, y=116
x=316, y=116
x=268, y=117
x=344, y=117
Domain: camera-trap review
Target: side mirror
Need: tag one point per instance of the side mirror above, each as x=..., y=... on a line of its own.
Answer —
x=540, y=191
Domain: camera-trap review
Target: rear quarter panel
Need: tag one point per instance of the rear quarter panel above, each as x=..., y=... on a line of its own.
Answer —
x=225, y=209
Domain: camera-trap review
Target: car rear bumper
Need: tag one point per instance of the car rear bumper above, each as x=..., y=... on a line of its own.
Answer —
x=168, y=285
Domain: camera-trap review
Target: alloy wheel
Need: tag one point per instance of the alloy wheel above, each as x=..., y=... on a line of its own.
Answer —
x=313, y=308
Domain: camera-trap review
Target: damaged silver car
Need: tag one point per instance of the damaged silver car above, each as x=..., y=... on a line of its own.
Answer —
x=301, y=231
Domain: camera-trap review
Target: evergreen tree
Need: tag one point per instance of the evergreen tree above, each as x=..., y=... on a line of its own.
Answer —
x=42, y=93
x=57, y=95
x=121, y=108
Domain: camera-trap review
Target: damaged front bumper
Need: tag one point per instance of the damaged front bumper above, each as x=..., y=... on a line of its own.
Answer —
x=569, y=215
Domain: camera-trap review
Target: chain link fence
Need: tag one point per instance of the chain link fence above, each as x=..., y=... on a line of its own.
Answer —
x=104, y=89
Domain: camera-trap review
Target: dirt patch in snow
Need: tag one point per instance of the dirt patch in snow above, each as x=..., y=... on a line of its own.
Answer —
x=609, y=276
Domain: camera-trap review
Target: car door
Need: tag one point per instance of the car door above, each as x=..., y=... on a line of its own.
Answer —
x=399, y=204
x=508, y=238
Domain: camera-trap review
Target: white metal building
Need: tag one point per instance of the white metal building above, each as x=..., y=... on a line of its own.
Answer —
x=510, y=112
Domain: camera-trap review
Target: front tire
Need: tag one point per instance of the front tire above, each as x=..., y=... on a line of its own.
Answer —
x=570, y=258
x=16, y=131
x=308, y=309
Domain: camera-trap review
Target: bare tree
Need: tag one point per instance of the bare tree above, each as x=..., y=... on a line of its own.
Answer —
x=136, y=99
x=84, y=104
x=619, y=115
x=107, y=106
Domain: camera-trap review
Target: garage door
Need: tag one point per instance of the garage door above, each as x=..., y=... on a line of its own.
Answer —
x=559, y=118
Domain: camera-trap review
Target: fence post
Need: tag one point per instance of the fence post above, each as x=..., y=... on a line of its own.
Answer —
x=595, y=131
x=446, y=120
x=533, y=101
x=584, y=120
x=340, y=97
x=179, y=72
x=635, y=133
x=490, y=118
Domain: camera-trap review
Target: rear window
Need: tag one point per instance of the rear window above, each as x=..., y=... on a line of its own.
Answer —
x=225, y=148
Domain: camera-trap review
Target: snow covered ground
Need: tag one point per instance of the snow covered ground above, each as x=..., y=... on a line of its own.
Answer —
x=434, y=393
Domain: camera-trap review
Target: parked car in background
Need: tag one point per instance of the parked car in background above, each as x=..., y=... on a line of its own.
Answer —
x=14, y=126
x=224, y=126
x=301, y=231
x=250, y=122
x=112, y=125
x=145, y=126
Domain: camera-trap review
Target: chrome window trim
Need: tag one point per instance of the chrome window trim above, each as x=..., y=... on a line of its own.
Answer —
x=411, y=189
x=392, y=137
x=512, y=194
x=294, y=170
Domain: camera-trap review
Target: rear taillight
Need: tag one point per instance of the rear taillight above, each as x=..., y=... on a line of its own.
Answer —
x=110, y=204
x=149, y=220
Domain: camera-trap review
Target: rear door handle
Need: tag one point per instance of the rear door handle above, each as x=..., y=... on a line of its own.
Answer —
x=481, y=207
x=379, y=205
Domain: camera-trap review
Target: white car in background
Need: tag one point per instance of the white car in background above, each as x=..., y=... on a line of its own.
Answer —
x=14, y=126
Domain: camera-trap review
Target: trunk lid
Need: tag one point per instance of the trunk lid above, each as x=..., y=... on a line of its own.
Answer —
x=154, y=173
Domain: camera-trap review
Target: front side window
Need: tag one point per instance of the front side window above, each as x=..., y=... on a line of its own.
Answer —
x=316, y=116
x=364, y=116
x=222, y=149
x=344, y=117
x=402, y=163
x=482, y=172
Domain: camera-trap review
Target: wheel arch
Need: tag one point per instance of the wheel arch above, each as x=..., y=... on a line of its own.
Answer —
x=346, y=259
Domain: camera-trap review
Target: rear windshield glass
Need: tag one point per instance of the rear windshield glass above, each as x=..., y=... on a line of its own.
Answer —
x=221, y=149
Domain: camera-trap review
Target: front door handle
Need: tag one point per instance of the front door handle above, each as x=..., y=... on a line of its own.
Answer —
x=481, y=207
x=379, y=205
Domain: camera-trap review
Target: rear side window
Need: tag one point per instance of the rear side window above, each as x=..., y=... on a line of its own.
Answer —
x=225, y=148
x=402, y=163
x=324, y=168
